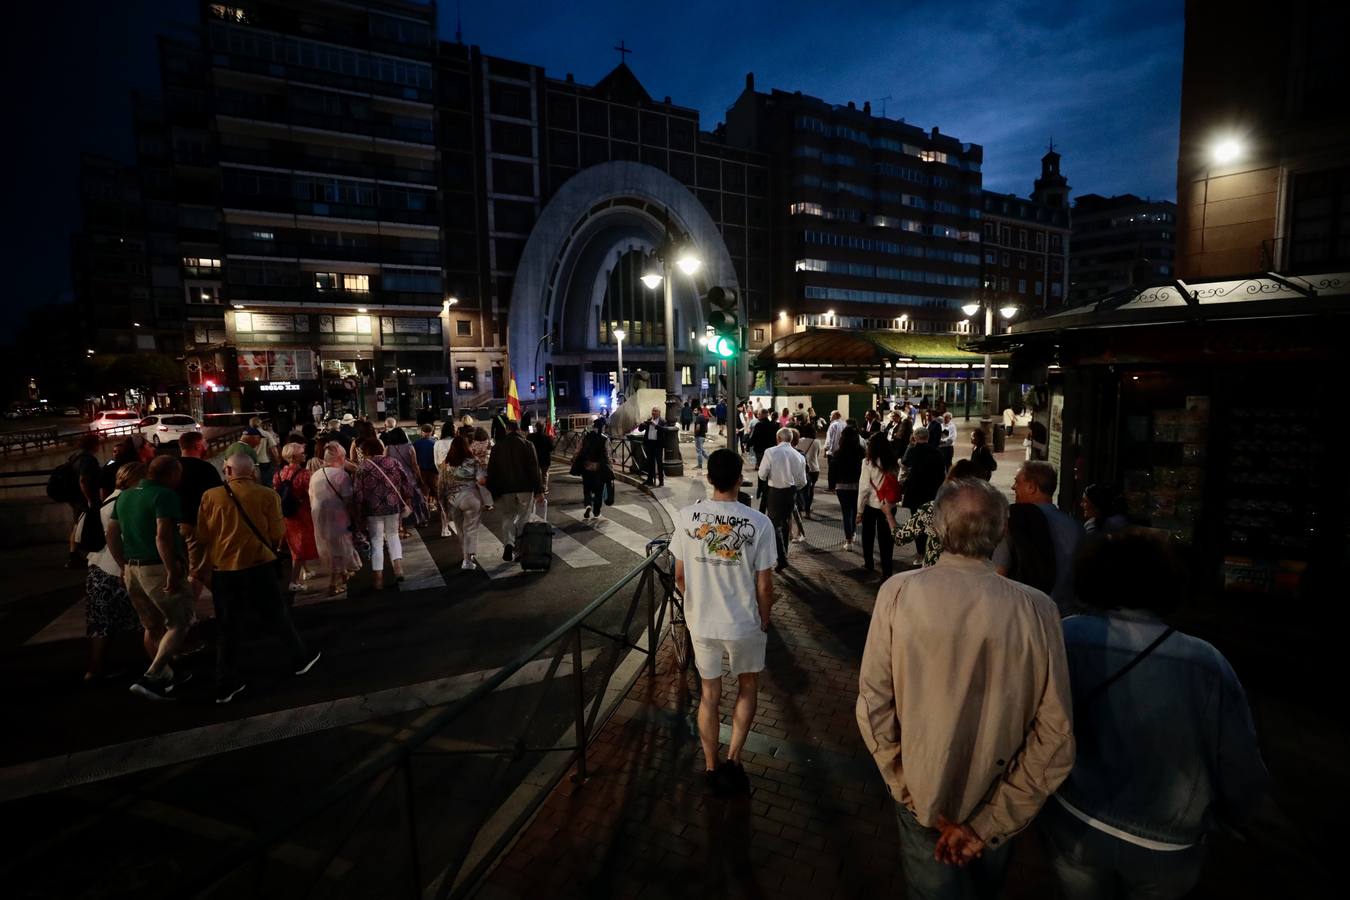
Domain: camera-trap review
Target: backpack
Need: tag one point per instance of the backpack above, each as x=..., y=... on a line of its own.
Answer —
x=63, y=484
x=290, y=503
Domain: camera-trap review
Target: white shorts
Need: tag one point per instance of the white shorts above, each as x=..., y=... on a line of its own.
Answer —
x=746, y=654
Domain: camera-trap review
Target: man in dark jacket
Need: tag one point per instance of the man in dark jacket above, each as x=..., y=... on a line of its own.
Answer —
x=763, y=435
x=652, y=446
x=513, y=478
x=543, y=448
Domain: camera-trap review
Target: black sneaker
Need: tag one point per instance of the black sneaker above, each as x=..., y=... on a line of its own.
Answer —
x=586, y=514
x=153, y=688
x=737, y=780
x=509, y=552
x=179, y=679
x=228, y=691
x=304, y=669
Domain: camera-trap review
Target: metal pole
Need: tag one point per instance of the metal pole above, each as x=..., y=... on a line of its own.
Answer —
x=580, y=692
x=651, y=620
x=672, y=397
x=619, y=388
x=987, y=419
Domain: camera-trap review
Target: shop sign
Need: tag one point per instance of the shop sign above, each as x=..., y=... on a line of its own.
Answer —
x=279, y=386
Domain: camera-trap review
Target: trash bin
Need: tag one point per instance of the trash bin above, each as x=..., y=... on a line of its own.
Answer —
x=998, y=436
x=670, y=441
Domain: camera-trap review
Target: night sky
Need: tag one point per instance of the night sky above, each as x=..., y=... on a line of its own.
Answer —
x=1102, y=78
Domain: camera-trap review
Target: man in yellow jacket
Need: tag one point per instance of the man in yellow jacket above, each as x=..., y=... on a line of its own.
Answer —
x=240, y=525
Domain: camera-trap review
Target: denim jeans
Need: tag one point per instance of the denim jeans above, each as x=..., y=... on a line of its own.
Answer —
x=699, y=455
x=928, y=879
x=848, y=507
x=1092, y=865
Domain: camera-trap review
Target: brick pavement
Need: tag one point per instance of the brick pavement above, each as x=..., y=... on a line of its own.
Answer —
x=818, y=822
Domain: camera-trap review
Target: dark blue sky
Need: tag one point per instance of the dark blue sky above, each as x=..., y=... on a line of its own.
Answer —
x=1102, y=77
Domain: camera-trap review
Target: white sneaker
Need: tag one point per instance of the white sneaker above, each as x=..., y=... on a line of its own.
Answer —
x=470, y=563
x=445, y=531
x=799, y=539
x=848, y=546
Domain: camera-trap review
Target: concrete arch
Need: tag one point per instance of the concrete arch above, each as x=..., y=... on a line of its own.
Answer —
x=601, y=210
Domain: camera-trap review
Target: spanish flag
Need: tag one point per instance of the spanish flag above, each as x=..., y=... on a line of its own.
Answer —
x=513, y=401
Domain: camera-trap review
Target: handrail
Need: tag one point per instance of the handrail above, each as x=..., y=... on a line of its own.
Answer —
x=400, y=754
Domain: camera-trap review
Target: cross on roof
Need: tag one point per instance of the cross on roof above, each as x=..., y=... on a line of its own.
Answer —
x=1052, y=143
x=623, y=52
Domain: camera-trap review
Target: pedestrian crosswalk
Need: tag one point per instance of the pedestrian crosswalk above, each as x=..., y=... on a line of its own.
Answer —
x=599, y=542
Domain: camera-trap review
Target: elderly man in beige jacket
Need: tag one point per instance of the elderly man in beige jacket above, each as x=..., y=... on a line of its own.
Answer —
x=963, y=701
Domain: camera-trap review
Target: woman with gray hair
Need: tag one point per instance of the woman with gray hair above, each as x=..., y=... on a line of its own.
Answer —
x=292, y=483
x=330, y=498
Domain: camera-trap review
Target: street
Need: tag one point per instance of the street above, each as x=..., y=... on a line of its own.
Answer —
x=194, y=778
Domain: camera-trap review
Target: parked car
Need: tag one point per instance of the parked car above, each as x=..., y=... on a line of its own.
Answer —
x=114, y=418
x=167, y=428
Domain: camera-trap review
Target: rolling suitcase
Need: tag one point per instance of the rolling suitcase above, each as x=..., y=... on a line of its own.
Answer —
x=536, y=543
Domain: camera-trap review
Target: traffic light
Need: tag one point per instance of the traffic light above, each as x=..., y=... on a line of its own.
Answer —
x=724, y=318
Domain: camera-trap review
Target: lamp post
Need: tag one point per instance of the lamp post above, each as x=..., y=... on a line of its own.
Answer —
x=1007, y=311
x=619, y=335
x=450, y=355
x=687, y=262
x=1225, y=151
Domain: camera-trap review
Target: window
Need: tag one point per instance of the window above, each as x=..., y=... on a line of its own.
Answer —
x=1056, y=243
x=195, y=262
x=991, y=232
x=357, y=283
x=1007, y=260
x=1040, y=288
x=1320, y=231
x=1005, y=236
x=1056, y=290
x=758, y=336
x=1021, y=238
x=229, y=13
x=464, y=327
x=325, y=281
x=1021, y=262
x=990, y=257
x=203, y=295
x=1021, y=285
x=1056, y=265
x=1040, y=242
x=1003, y=283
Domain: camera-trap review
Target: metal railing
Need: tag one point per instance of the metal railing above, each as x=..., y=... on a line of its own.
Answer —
x=427, y=816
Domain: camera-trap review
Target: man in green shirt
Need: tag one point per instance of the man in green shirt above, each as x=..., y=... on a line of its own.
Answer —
x=143, y=539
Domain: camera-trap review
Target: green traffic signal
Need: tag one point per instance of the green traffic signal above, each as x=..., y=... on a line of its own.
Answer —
x=724, y=347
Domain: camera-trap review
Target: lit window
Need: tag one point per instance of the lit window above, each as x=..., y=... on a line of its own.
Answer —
x=201, y=262
x=932, y=156
x=263, y=235
x=758, y=336
x=357, y=283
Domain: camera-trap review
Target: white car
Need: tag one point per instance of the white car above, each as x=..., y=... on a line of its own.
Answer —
x=165, y=429
x=115, y=418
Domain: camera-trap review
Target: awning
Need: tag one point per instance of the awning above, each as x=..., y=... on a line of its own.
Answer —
x=826, y=348
x=1260, y=296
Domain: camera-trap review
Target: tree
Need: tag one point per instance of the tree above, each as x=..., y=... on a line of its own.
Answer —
x=153, y=371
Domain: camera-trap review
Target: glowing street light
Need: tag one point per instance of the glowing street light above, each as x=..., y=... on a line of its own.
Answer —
x=1226, y=150
x=688, y=262
x=970, y=309
x=1008, y=311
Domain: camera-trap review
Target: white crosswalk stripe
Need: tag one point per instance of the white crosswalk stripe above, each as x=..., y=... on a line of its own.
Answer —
x=618, y=533
x=641, y=513
x=420, y=572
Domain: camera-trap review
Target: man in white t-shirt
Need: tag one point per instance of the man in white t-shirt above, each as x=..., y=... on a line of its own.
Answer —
x=724, y=558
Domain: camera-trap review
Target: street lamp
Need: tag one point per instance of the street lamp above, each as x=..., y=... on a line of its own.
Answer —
x=1007, y=311
x=450, y=354
x=1226, y=150
x=619, y=335
x=688, y=262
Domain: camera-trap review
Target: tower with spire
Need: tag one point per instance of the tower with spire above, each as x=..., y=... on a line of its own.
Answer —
x=1052, y=188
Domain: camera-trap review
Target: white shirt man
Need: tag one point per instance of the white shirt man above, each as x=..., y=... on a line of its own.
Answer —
x=832, y=434
x=316, y=411
x=948, y=431
x=782, y=470
x=724, y=554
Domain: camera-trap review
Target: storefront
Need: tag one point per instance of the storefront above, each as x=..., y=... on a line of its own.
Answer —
x=1214, y=413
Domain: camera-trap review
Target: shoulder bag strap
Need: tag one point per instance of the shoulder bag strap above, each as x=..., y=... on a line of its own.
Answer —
x=249, y=522
x=1122, y=671
x=389, y=481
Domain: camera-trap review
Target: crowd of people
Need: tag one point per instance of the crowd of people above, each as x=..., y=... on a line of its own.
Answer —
x=1124, y=741
x=158, y=529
